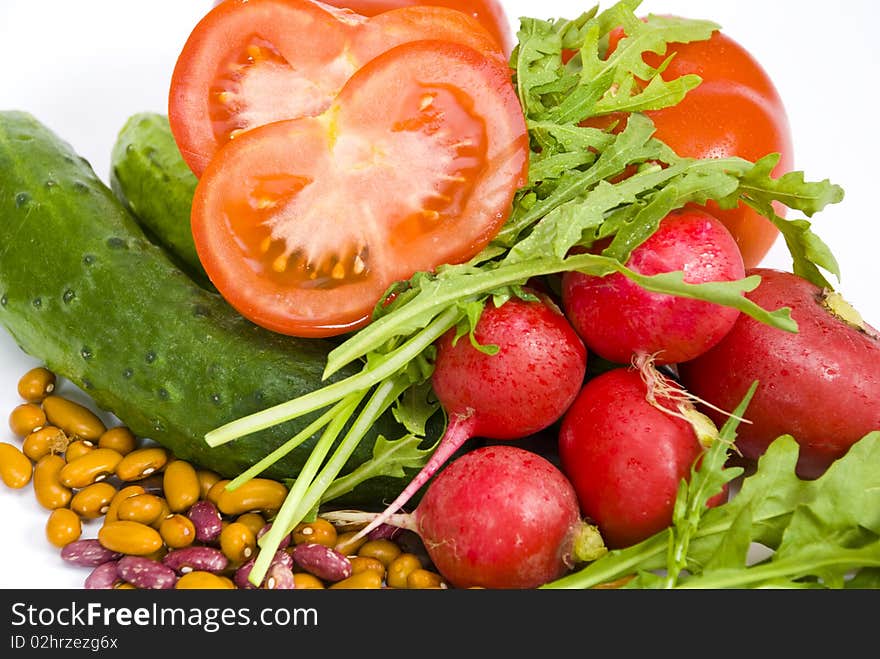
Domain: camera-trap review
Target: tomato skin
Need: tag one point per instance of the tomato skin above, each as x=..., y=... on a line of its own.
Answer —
x=246, y=64
x=821, y=385
x=625, y=457
x=382, y=184
x=735, y=111
x=618, y=319
x=490, y=13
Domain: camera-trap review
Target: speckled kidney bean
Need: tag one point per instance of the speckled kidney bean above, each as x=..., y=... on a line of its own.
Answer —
x=102, y=577
x=206, y=518
x=279, y=577
x=324, y=562
x=384, y=532
x=88, y=553
x=145, y=573
x=187, y=559
x=241, y=575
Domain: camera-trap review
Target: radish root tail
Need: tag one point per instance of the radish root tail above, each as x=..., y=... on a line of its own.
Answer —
x=669, y=397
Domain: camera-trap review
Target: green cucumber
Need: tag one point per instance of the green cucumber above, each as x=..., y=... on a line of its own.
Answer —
x=85, y=291
x=151, y=179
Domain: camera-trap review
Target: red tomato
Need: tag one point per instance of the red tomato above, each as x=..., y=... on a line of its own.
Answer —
x=489, y=12
x=303, y=224
x=736, y=111
x=246, y=64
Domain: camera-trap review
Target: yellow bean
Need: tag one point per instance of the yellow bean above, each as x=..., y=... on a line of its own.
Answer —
x=319, y=531
x=363, y=563
x=400, y=568
x=254, y=521
x=63, y=527
x=93, y=500
x=201, y=580
x=131, y=538
x=77, y=449
x=16, y=468
x=207, y=479
x=73, y=418
x=48, y=488
x=25, y=418
x=36, y=384
x=118, y=498
x=346, y=545
x=143, y=508
x=177, y=531
x=258, y=494
x=142, y=462
x=421, y=578
x=120, y=439
x=90, y=468
x=381, y=549
x=237, y=542
x=46, y=440
x=163, y=513
x=367, y=579
x=214, y=492
x=306, y=581
x=181, y=485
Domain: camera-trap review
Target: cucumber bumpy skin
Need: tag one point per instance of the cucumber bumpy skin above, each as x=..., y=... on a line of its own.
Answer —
x=84, y=290
x=152, y=180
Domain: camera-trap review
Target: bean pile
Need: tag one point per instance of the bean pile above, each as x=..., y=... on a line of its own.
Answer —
x=165, y=523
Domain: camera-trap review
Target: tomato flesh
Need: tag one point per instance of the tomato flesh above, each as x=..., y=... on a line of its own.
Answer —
x=248, y=64
x=490, y=13
x=303, y=224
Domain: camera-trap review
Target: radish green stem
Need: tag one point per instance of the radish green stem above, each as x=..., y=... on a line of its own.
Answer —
x=383, y=368
x=458, y=431
x=289, y=445
x=271, y=540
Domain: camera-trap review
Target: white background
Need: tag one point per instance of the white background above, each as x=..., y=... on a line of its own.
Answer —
x=84, y=67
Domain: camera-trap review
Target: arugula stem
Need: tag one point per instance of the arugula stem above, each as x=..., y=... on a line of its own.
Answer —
x=289, y=445
x=271, y=540
x=383, y=368
x=383, y=397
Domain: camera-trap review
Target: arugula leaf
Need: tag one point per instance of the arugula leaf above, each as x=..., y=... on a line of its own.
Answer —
x=390, y=458
x=818, y=531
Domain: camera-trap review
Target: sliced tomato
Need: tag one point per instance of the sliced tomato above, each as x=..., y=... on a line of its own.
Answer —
x=490, y=13
x=246, y=64
x=303, y=224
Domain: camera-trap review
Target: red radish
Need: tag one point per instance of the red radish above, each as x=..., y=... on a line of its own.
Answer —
x=624, y=447
x=499, y=517
x=618, y=319
x=821, y=385
x=524, y=387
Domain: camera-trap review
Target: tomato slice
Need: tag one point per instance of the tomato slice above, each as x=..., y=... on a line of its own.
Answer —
x=490, y=13
x=303, y=224
x=246, y=64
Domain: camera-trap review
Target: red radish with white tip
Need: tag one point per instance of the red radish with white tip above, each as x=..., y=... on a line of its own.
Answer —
x=522, y=388
x=618, y=319
x=498, y=517
x=625, y=444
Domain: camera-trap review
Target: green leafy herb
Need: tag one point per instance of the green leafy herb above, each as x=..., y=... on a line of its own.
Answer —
x=822, y=533
x=577, y=194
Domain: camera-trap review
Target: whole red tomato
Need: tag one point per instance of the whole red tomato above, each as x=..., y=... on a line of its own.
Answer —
x=736, y=111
